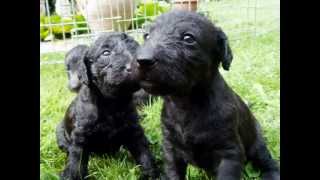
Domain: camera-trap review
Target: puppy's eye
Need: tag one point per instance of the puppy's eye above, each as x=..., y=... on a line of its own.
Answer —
x=106, y=53
x=188, y=38
x=146, y=36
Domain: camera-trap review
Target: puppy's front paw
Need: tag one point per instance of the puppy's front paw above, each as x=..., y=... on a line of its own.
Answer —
x=64, y=175
x=69, y=175
x=271, y=176
x=155, y=175
x=163, y=177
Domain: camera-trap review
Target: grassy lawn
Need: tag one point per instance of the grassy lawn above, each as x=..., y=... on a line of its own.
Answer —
x=254, y=75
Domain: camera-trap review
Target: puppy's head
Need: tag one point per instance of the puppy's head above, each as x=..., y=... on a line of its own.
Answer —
x=73, y=60
x=109, y=64
x=181, y=50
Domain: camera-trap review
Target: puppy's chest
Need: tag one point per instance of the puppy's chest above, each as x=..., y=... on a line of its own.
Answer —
x=194, y=136
x=109, y=125
x=185, y=130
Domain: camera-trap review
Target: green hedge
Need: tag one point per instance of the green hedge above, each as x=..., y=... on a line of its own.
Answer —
x=57, y=30
x=151, y=9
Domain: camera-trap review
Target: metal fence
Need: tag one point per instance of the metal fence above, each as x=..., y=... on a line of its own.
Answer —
x=65, y=23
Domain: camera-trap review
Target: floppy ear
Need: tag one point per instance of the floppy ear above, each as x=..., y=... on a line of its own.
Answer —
x=224, y=51
x=83, y=69
x=83, y=72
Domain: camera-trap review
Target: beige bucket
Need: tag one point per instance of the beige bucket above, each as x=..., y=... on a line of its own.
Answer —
x=104, y=15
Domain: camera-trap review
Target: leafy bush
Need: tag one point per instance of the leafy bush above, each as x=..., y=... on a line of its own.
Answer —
x=80, y=18
x=44, y=32
x=63, y=28
x=61, y=25
x=148, y=11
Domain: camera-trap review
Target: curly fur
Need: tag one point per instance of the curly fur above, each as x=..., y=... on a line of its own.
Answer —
x=102, y=117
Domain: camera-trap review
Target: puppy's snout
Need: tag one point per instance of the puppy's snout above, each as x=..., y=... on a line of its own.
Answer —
x=145, y=58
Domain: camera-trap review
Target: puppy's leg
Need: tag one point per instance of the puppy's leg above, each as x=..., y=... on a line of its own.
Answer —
x=77, y=165
x=138, y=146
x=175, y=167
x=62, y=142
x=261, y=158
x=231, y=165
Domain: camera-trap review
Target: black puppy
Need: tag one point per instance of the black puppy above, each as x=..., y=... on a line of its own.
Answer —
x=102, y=117
x=73, y=60
x=204, y=122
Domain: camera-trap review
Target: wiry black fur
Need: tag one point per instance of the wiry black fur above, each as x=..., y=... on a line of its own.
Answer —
x=73, y=61
x=204, y=122
x=102, y=117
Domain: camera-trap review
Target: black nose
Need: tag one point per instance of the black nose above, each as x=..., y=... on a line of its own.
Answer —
x=145, y=56
x=146, y=61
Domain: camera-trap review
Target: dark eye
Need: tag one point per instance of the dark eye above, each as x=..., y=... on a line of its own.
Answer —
x=188, y=38
x=146, y=36
x=106, y=53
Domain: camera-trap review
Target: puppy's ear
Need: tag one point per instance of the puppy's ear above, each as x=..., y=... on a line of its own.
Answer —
x=83, y=69
x=83, y=73
x=224, y=51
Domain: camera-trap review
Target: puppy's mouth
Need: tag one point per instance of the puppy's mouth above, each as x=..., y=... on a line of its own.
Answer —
x=154, y=87
x=149, y=86
x=146, y=83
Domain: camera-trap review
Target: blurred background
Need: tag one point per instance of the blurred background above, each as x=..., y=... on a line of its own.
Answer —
x=64, y=23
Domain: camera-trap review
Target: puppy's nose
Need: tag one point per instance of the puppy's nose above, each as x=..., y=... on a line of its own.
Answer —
x=128, y=68
x=145, y=56
x=145, y=61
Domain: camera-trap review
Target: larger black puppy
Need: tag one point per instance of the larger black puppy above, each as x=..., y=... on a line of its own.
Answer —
x=204, y=122
x=102, y=117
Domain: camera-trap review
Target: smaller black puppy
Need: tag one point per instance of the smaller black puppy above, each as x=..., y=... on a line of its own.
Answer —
x=102, y=117
x=73, y=61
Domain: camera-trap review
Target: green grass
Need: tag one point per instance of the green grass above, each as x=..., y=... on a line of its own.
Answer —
x=53, y=56
x=254, y=75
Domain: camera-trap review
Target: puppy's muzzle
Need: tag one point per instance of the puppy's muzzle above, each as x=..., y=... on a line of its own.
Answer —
x=145, y=58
